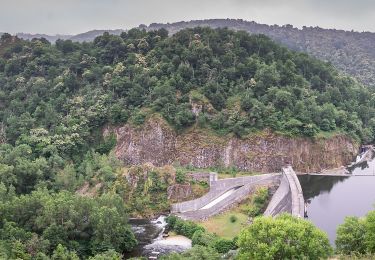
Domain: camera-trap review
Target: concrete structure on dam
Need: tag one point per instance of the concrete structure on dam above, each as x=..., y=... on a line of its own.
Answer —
x=225, y=192
x=288, y=197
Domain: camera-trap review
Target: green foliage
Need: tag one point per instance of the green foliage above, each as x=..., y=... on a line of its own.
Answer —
x=223, y=245
x=203, y=238
x=62, y=253
x=107, y=145
x=196, y=253
x=355, y=237
x=180, y=176
x=283, y=237
x=351, y=236
x=63, y=222
x=108, y=255
x=233, y=218
x=370, y=232
x=182, y=227
x=55, y=100
x=257, y=202
x=199, y=236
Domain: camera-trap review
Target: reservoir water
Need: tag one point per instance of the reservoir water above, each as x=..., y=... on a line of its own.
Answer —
x=331, y=199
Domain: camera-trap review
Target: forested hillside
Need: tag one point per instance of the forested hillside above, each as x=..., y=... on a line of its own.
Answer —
x=351, y=52
x=55, y=100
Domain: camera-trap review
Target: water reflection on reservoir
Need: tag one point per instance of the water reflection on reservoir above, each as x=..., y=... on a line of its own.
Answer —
x=333, y=198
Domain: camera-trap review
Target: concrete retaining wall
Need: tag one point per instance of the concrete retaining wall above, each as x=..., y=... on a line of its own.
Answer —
x=287, y=198
x=226, y=203
x=281, y=200
x=218, y=188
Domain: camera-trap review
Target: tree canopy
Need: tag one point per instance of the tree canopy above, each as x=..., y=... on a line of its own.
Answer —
x=55, y=100
x=283, y=237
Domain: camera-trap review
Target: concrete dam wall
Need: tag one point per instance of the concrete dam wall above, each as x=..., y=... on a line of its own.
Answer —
x=224, y=193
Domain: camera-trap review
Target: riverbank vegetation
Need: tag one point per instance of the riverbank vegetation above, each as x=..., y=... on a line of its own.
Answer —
x=199, y=235
x=283, y=237
x=45, y=223
x=356, y=236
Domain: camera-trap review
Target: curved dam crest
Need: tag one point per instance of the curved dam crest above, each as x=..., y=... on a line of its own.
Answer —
x=224, y=193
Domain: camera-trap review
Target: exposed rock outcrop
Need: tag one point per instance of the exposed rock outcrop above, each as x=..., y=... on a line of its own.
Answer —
x=179, y=192
x=157, y=143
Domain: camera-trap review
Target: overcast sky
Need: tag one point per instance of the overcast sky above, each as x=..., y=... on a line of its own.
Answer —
x=76, y=16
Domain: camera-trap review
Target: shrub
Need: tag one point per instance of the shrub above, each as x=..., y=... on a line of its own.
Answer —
x=203, y=238
x=180, y=177
x=182, y=227
x=258, y=202
x=284, y=237
x=232, y=218
x=197, y=252
x=351, y=236
x=370, y=232
x=223, y=245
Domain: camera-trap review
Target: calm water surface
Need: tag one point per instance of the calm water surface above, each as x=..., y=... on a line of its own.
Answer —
x=333, y=198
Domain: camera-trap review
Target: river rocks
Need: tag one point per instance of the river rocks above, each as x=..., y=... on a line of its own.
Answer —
x=157, y=143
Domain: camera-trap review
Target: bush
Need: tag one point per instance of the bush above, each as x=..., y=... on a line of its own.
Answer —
x=351, y=236
x=258, y=202
x=232, y=218
x=223, y=245
x=180, y=177
x=196, y=253
x=138, y=118
x=203, y=238
x=370, y=232
x=284, y=237
x=171, y=221
x=182, y=227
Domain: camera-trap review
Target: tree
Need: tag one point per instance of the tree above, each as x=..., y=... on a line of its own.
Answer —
x=351, y=236
x=196, y=253
x=284, y=237
x=108, y=255
x=62, y=253
x=370, y=232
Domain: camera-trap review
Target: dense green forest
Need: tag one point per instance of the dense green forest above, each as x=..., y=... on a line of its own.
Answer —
x=350, y=51
x=55, y=99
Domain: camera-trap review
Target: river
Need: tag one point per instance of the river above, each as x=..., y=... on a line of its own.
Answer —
x=333, y=198
x=151, y=243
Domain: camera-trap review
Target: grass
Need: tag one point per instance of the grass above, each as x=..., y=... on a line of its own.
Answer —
x=230, y=223
x=223, y=172
x=237, y=174
x=222, y=225
x=329, y=134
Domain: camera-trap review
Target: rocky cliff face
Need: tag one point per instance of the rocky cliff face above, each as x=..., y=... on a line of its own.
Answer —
x=157, y=143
